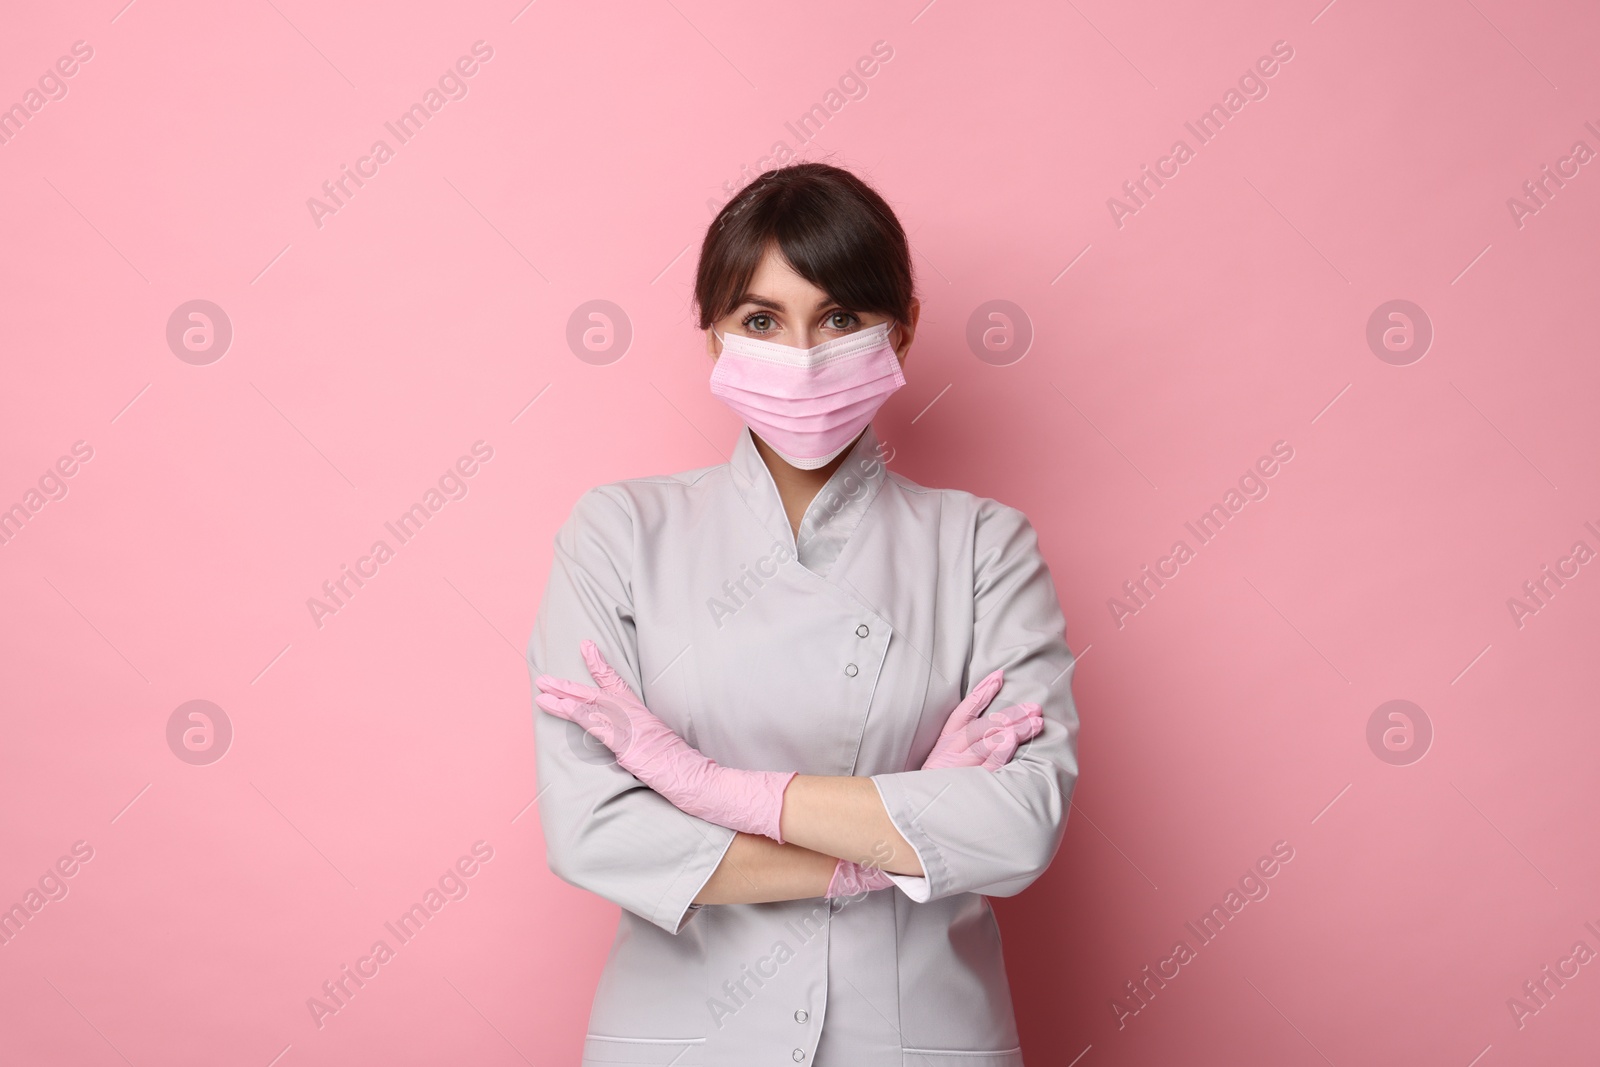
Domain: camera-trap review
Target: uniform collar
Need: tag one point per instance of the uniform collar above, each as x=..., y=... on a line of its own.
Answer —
x=835, y=512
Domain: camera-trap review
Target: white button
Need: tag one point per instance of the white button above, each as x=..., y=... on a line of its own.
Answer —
x=851, y=669
x=801, y=1016
x=862, y=631
x=799, y=1054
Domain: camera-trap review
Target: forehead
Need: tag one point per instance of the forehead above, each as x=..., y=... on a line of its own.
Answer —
x=775, y=284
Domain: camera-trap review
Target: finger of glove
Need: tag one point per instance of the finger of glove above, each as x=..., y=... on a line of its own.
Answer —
x=1024, y=725
x=840, y=885
x=850, y=879
x=879, y=879
x=561, y=707
x=870, y=880
x=605, y=677
x=1015, y=715
x=1032, y=726
x=1012, y=716
x=970, y=749
x=598, y=725
x=975, y=702
x=1002, y=746
x=562, y=687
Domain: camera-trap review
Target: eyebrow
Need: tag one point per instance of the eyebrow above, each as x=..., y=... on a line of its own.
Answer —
x=775, y=305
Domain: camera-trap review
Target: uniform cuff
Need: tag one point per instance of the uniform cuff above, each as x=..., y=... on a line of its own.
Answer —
x=677, y=906
x=914, y=886
x=918, y=887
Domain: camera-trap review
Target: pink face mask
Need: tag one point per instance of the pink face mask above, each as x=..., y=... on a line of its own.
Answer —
x=808, y=403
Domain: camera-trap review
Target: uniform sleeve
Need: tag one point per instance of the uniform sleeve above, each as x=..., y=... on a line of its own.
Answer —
x=994, y=832
x=604, y=830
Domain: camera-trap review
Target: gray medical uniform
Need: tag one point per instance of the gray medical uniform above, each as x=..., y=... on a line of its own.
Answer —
x=838, y=652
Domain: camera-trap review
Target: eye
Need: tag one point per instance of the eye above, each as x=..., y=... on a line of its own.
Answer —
x=758, y=322
x=841, y=320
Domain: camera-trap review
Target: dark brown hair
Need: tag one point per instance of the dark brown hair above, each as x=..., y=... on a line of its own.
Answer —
x=832, y=227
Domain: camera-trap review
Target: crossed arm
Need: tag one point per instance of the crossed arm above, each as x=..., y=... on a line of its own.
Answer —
x=791, y=830
x=825, y=818
x=938, y=830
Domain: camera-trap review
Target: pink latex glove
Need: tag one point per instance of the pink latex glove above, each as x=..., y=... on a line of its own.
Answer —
x=850, y=879
x=966, y=741
x=970, y=739
x=647, y=748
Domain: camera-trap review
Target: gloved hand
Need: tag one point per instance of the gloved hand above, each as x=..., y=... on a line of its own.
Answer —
x=966, y=741
x=647, y=748
x=990, y=741
x=850, y=879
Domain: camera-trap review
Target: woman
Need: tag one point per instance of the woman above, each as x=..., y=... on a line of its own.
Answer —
x=797, y=811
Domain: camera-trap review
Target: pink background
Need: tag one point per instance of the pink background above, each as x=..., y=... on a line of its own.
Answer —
x=370, y=352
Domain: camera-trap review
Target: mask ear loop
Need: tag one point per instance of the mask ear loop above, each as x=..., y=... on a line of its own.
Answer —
x=894, y=324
